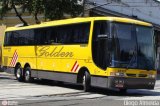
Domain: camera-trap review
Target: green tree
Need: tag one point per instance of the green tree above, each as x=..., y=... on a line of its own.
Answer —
x=56, y=9
x=35, y=7
x=51, y=9
x=8, y=5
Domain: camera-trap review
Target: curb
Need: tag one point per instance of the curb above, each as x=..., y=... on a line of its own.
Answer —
x=4, y=73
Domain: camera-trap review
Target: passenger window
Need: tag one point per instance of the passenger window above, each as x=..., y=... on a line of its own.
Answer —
x=65, y=34
x=19, y=38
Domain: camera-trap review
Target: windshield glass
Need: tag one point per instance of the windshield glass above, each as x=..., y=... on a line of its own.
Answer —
x=145, y=48
x=125, y=45
x=133, y=47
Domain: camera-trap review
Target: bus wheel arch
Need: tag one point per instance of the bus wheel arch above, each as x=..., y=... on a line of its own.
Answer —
x=27, y=65
x=84, y=78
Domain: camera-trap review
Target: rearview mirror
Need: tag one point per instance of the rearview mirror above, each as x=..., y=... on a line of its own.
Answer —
x=104, y=40
x=103, y=36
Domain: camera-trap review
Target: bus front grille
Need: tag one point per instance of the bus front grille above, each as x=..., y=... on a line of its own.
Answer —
x=131, y=75
x=142, y=75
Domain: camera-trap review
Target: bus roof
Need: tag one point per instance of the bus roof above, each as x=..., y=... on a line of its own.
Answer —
x=78, y=20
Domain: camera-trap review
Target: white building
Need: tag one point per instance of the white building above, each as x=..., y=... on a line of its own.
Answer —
x=146, y=10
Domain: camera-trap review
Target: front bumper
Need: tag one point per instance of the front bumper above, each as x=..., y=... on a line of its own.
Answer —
x=131, y=83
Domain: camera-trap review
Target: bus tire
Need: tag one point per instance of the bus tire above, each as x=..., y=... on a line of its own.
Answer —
x=27, y=75
x=86, y=82
x=19, y=73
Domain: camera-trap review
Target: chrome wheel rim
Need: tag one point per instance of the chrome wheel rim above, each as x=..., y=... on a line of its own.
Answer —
x=84, y=80
x=18, y=74
x=27, y=75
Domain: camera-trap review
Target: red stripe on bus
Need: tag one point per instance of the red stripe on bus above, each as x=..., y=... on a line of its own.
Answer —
x=15, y=59
x=74, y=66
x=12, y=60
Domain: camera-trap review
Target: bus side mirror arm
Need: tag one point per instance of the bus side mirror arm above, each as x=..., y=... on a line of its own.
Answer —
x=108, y=41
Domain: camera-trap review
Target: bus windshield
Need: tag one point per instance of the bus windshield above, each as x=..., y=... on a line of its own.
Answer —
x=133, y=46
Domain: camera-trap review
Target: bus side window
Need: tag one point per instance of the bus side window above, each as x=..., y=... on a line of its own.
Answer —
x=15, y=38
x=9, y=38
x=65, y=34
x=50, y=35
x=81, y=33
x=19, y=38
x=41, y=36
x=71, y=34
x=25, y=37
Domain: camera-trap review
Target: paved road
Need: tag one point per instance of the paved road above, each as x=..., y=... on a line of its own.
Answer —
x=49, y=93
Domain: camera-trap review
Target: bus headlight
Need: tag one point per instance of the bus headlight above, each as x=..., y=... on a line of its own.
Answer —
x=118, y=74
x=151, y=76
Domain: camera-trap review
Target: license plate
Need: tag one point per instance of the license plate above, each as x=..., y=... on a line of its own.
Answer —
x=119, y=85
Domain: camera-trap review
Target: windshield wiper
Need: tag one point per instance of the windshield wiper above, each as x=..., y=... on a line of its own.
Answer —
x=134, y=56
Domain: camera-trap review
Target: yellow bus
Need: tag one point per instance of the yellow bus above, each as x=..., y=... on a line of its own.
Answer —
x=108, y=52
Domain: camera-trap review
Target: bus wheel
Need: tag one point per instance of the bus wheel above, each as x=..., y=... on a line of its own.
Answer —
x=86, y=81
x=27, y=75
x=19, y=74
